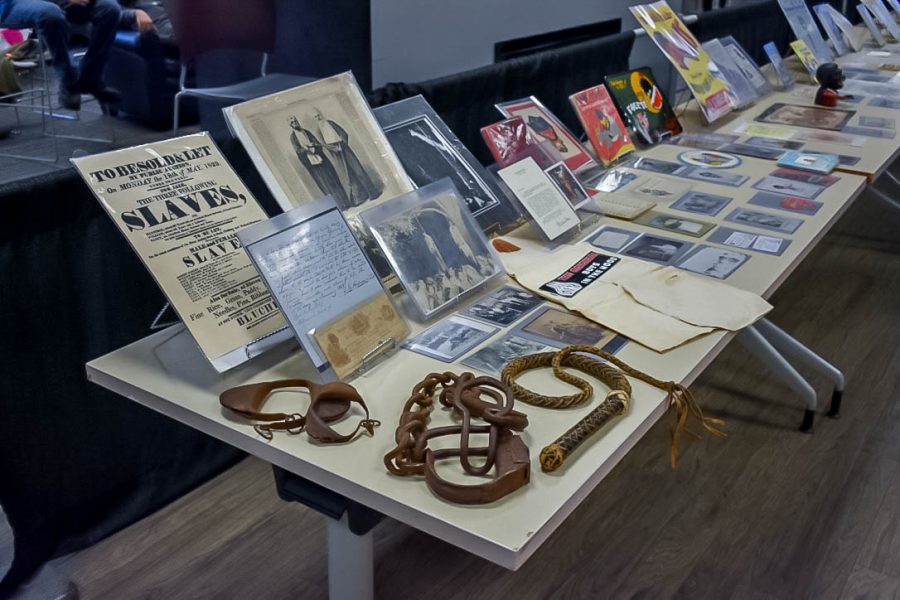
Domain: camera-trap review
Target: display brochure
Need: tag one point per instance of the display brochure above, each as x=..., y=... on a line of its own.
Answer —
x=817, y=163
x=683, y=50
x=450, y=338
x=543, y=124
x=743, y=91
x=831, y=29
x=653, y=248
x=747, y=66
x=602, y=124
x=503, y=306
x=429, y=151
x=884, y=17
x=180, y=205
x=784, y=75
x=713, y=262
x=746, y=240
x=549, y=209
x=319, y=139
x=326, y=287
x=804, y=27
x=675, y=223
x=764, y=220
x=434, y=246
x=871, y=25
x=492, y=358
x=813, y=117
x=806, y=56
x=647, y=113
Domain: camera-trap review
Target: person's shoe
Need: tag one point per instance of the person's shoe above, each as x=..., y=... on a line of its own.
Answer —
x=103, y=93
x=69, y=97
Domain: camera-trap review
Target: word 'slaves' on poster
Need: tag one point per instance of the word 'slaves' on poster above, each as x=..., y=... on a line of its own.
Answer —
x=683, y=50
x=180, y=205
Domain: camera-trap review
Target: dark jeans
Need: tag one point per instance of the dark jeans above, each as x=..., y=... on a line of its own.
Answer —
x=50, y=20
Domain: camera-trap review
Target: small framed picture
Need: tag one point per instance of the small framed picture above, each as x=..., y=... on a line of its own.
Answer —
x=764, y=220
x=613, y=238
x=747, y=240
x=450, y=338
x=655, y=165
x=558, y=327
x=657, y=249
x=713, y=262
x=831, y=119
x=701, y=203
x=566, y=183
x=716, y=176
x=492, y=358
x=502, y=307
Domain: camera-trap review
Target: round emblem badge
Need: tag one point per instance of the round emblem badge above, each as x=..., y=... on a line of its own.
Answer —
x=710, y=159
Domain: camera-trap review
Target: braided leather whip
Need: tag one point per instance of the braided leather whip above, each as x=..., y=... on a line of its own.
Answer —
x=616, y=402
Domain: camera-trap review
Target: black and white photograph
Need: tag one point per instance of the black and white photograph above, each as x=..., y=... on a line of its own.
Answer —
x=788, y=187
x=657, y=166
x=676, y=223
x=492, y=358
x=792, y=204
x=657, y=249
x=433, y=245
x=764, y=220
x=764, y=151
x=715, y=176
x=884, y=122
x=701, y=203
x=713, y=262
x=449, y=339
x=747, y=240
x=319, y=139
x=761, y=140
x=657, y=189
x=503, y=306
x=427, y=156
x=613, y=179
x=613, y=238
x=566, y=183
x=559, y=327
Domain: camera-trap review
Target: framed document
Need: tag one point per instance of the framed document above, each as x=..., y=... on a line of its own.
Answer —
x=180, y=205
x=434, y=246
x=543, y=124
x=326, y=287
x=429, y=151
x=319, y=139
x=551, y=212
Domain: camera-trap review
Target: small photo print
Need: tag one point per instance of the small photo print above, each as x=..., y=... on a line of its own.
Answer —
x=701, y=203
x=887, y=134
x=613, y=238
x=559, y=328
x=657, y=189
x=760, y=140
x=882, y=102
x=502, y=307
x=492, y=358
x=713, y=262
x=788, y=203
x=746, y=240
x=657, y=249
x=449, y=339
x=566, y=183
x=675, y=223
x=613, y=180
x=883, y=122
x=657, y=166
x=805, y=176
x=788, y=187
x=761, y=151
x=764, y=220
x=715, y=176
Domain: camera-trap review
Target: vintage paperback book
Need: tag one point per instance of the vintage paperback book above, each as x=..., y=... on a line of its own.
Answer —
x=180, y=205
x=602, y=123
x=646, y=111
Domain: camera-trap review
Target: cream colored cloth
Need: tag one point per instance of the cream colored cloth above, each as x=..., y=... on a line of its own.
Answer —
x=658, y=307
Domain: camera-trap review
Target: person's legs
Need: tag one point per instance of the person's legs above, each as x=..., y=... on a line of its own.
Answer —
x=105, y=16
x=50, y=22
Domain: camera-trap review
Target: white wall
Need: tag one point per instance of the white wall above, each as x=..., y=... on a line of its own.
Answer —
x=415, y=40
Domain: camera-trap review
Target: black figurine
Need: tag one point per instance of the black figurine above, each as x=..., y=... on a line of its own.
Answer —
x=831, y=78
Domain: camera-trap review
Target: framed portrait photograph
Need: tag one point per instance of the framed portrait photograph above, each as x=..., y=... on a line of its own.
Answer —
x=701, y=203
x=713, y=262
x=558, y=327
x=319, y=139
x=543, y=124
x=831, y=119
x=567, y=185
x=502, y=307
x=434, y=246
x=492, y=358
x=450, y=338
x=657, y=249
x=430, y=151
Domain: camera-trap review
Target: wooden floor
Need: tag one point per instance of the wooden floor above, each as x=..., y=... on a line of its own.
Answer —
x=767, y=513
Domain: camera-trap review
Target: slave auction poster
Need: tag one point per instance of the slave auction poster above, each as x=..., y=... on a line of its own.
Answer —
x=180, y=205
